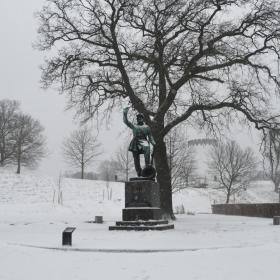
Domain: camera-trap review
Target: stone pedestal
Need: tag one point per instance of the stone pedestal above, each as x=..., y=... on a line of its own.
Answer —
x=142, y=201
x=144, y=193
x=142, y=207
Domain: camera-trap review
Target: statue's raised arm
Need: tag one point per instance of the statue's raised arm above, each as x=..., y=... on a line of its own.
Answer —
x=125, y=119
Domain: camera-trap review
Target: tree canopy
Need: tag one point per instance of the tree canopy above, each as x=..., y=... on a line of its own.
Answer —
x=163, y=54
x=202, y=60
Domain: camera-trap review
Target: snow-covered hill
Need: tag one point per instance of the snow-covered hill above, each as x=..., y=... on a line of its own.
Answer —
x=25, y=188
x=200, y=200
x=37, y=197
x=107, y=198
x=202, y=246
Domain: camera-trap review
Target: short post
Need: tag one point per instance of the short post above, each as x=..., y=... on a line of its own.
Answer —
x=67, y=236
x=276, y=220
x=98, y=219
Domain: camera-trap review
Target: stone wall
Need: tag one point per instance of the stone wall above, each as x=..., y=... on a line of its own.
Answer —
x=265, y=210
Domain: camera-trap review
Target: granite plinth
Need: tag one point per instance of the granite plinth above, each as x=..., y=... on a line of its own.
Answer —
x=142, y=223
x=142, y=193
x=141, y=213
x=142, y=207
x=142, y=228
x=140, y=179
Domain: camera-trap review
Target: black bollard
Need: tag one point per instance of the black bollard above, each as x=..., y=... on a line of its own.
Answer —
x=276, y=220
x=98, y=219
x=67, y=236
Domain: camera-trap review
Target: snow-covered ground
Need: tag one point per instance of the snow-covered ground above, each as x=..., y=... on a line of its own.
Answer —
x=202, y=246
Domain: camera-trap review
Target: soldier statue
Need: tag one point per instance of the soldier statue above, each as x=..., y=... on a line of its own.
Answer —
x=140, y=144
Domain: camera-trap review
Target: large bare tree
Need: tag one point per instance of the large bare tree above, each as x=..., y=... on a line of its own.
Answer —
x=271, y=155
x=8, y=112
x=233, y=167
x=29, y=142
x=198, y=59
x=81, y=148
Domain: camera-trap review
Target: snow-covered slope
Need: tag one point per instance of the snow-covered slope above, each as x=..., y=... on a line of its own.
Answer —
x=38, y=198
x=25, y=188
x=201, y=246
x=200, y=200
x=89, y=198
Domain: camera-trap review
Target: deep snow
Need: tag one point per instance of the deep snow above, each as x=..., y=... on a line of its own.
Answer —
x=202, y=246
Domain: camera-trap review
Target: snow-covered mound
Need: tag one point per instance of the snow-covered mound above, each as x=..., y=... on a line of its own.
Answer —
x=25, y=188
x=45, y=198
x=93, y=197
x=89, y=198
x=259, y=192
x=200, y=200
x=34, y=211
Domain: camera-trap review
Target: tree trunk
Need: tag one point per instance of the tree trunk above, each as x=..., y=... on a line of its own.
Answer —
x=126, y=174
x=2, y=154
x=164, y=179
x=2, y=158
x=127, y=165
x=82, y=171
x=276, y=187
x=18, y=164
x=228, y=197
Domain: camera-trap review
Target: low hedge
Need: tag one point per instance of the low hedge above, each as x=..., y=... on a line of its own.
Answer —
x=265, y=210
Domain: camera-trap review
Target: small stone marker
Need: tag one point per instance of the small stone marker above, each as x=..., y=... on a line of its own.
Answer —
x=98, y=219
x=276, y=220
x=67, y=236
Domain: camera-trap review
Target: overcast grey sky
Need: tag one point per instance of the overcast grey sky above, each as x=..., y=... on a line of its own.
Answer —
x=19, y=79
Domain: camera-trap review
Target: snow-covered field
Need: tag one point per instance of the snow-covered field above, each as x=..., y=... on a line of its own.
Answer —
x=202, y=246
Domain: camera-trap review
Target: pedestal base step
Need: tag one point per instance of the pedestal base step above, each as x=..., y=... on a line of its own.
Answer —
x=141, y=213
x=142, y=227
x=143, y=223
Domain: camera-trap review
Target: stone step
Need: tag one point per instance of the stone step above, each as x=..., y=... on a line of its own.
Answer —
x=142, y=227
x=138, y=223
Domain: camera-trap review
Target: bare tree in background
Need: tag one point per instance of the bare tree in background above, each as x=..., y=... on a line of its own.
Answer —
x=208, y=61
x=29, y=142
x=232, y=166
x=124, y=161
x=81, y=148
x=108, y=169
x=181, y=158
x=271, y=155
x=8, y=111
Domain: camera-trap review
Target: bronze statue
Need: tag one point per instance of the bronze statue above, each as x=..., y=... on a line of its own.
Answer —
x=140, y=144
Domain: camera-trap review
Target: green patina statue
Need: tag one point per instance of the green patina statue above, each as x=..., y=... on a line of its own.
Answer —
x=141, y=141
